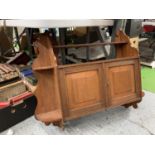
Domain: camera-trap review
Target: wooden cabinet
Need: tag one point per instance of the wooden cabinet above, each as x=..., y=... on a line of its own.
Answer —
x=66, y=92
x=87, y=88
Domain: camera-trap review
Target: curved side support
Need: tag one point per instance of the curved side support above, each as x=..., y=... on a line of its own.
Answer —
x=48, y=109
x=124, y=50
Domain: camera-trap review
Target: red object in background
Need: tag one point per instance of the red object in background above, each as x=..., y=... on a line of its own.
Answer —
x=23, y=96
x=148, y=28
x=15, y=99
x=4, y=104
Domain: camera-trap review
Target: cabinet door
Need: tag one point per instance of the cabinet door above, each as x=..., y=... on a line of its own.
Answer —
x=83, y=90
x=123, y=82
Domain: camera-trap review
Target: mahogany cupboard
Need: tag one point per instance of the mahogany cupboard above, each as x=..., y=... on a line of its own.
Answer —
x=66, y=92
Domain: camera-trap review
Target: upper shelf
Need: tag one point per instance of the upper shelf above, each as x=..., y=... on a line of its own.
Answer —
x=56, y=23
x=90, y=44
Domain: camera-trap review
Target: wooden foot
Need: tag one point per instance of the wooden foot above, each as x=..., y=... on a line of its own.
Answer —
x=56, y=123
x=47, y=123
x=59, y=124
x=135, y=106
x=126, y=106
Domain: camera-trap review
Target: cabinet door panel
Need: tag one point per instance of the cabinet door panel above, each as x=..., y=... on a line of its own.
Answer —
x=123, y=82
x=83, y=88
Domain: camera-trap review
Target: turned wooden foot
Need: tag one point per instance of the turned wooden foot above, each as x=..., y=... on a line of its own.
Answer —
x=47, y=123
x=59, y=124
x=135, y=106
x=126, y=106
x=56, y=123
